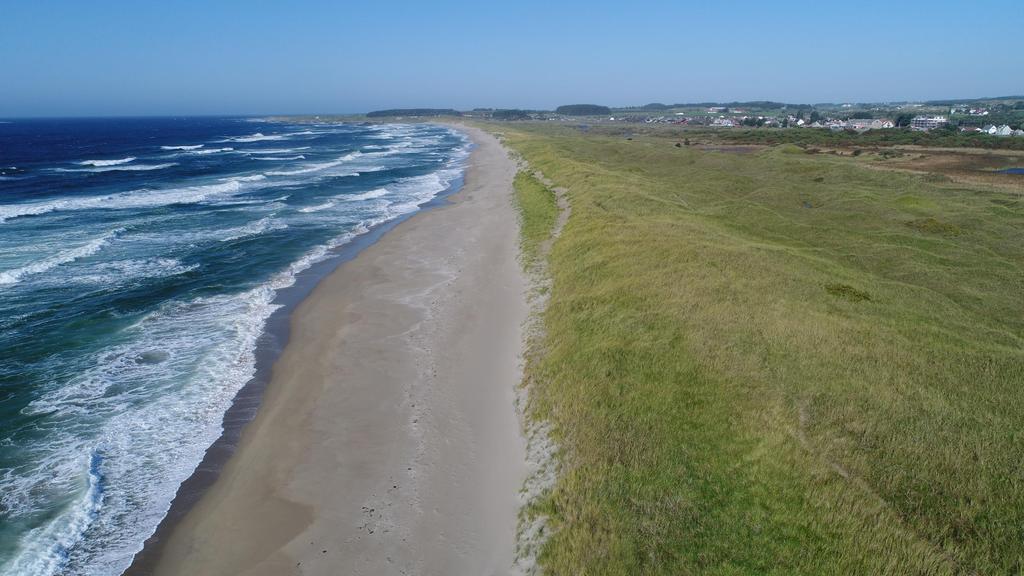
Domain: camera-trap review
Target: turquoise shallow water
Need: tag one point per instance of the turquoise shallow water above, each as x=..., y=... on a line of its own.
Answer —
x=139, y=262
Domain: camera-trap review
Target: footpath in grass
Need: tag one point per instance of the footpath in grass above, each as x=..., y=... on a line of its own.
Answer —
x=776, y=363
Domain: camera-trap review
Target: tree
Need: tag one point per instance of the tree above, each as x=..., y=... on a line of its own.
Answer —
x=903, y=120
x=510, y=114
x=583, y=110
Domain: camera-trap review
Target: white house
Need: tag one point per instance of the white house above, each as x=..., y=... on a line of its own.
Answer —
x=869, y=124
x=1003, y=130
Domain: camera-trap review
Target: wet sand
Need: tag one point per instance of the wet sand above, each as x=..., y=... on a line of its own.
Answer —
x=387, y=441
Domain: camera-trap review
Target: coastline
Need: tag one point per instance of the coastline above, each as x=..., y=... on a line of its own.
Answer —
x=247, y=401
x=387, y=439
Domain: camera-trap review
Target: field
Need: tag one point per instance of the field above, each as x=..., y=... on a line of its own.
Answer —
x=811, y=137
x=775, y=362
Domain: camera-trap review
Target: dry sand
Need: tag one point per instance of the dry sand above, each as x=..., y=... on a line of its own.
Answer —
x=388, y=441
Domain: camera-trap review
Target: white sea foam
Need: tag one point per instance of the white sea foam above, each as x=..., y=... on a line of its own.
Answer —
x=316, y=167
x=279, y=158
x=317, y=208
x=118, y=167
x=185, y=147
x=44, y=552
x=16, y=210
x=364, y=196
x=91, y=247
x=257, y=137
x=259, y=203
x=122, y=271
x=249, y=178
x=135, y=199
x=254, y=228
x=210, y=150
x=274, y=150
x=106, y=162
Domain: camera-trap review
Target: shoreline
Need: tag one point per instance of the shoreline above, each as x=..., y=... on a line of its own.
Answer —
x=247, y=401
x=280, y=481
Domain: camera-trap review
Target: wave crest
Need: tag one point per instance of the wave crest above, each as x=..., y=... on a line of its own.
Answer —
x=184, y=147
x=117, y=162
x=67, y=256
x=119, y=167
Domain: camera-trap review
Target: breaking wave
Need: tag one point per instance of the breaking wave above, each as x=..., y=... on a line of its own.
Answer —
x=106, y=162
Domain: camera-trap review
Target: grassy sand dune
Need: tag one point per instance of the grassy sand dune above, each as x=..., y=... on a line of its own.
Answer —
x=775, y=362
x=538, y=210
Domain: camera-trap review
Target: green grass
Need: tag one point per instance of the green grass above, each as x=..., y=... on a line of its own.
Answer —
x=811, y=137
x=776, y=363
x=538, y=212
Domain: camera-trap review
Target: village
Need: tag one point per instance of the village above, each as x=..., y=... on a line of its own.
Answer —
x=995, y=117
x=720, y=117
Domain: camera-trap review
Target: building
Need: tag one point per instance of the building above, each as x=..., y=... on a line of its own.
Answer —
x=928, y=122
x=993, y=130
x=869, y=124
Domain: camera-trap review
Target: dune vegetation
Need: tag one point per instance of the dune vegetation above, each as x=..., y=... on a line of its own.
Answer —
x=775, y=362
x=538, y=212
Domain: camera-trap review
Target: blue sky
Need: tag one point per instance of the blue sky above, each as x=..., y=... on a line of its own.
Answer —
x=232, y=57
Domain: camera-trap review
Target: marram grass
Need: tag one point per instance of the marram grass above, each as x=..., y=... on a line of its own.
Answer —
x=755, y=365
x=538, y=211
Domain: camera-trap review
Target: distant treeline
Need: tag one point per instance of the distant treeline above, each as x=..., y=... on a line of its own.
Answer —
x=511, y=114
x=969, y=101
x=583, y=110
x=414, y=112
x=762, y=104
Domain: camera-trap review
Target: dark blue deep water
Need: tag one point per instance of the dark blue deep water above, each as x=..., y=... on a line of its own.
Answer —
x=139, y=261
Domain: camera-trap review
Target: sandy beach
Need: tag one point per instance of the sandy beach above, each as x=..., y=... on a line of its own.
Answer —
x=387, y=441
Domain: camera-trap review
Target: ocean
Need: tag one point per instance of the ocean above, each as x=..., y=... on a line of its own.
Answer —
x=140, y=260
